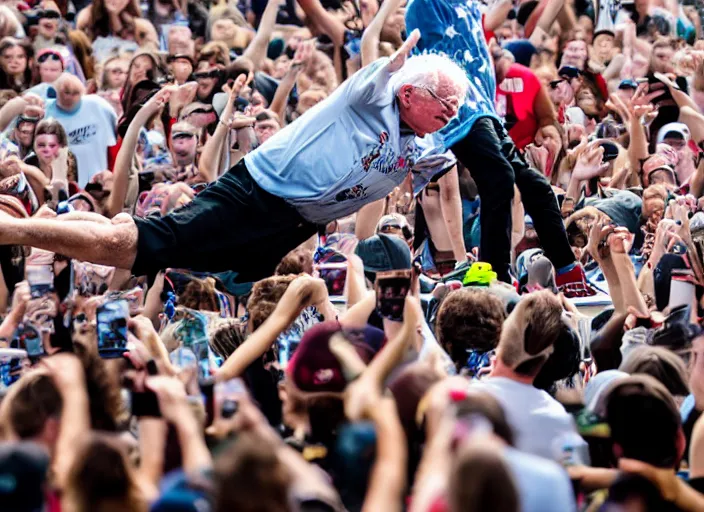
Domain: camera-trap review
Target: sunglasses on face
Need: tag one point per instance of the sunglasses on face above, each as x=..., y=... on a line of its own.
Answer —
x=49, y=55
x=52, y=15
x=555, y=83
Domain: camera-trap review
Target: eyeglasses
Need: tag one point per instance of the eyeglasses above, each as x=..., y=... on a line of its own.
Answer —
x=117, y=71
x=445, y=103
x=555, y=83
x=49, y=55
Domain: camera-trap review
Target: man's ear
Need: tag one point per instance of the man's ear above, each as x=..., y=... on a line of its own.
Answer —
x=404, y=95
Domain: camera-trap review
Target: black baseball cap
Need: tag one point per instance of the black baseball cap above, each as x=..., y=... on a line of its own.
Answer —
x=569, y=72
x=382, y=252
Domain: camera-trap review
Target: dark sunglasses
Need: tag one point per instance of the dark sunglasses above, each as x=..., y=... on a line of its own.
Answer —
x=215, y=73
x=52, y=15
x=49, y=55
x=201, y=110
x=555, y=83
x=210, y=55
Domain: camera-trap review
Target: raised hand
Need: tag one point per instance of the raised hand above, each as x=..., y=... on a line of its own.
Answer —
x=589, y=163
x=398, y=59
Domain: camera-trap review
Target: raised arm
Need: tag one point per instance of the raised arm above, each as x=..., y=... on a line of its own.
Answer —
x=324, y=21
x=451, y=206
x=123, y=162
x=372, y=34
x=302, y=292
x=283, y=91
x=209, y=163
x=256, y=51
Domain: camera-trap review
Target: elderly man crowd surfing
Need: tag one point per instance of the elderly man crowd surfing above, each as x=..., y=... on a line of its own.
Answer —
x=351, y=255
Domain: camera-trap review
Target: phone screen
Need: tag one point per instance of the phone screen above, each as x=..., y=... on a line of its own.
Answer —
x=193, y=335
x=29, y=338
x=40, y=279
x=112, y=319
x=392, y=289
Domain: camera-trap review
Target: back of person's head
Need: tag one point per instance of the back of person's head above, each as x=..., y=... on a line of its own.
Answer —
x=480, y=480
x=101, y=478
x=529, y=333
x=106, y=406
x=660, y=363
x=645, y=422
x=298, y=261
x=266, y=294
x=488, y=407
x=28, y=405
x=249, y=477
x=563, y=363
x=225, y=336
x=469, y=319
x=635, y=492
x=200, y=294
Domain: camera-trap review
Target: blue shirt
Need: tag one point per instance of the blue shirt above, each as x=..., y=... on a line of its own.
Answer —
x=454, y=28
x=345, y=152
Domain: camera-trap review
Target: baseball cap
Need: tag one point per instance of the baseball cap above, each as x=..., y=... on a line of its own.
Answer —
x=673, y=130
x=657, y=163
x=597, y=389
x=382, y=252
x=314, y=368
x=628, y=83
x=23, y=469
x=660, y=363
x=569, y=72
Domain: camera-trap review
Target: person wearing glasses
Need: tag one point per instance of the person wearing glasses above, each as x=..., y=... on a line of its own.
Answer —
x=350, y=150
x=480, y=142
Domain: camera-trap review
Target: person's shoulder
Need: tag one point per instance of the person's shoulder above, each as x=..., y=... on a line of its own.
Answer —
x=96, y=101
x=84, y=18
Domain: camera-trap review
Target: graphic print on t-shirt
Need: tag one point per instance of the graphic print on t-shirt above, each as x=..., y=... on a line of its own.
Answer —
x=381, y=158
x=82, y=135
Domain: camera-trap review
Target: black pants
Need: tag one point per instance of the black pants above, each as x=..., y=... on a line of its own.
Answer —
x=496, y=164
x=233, y=224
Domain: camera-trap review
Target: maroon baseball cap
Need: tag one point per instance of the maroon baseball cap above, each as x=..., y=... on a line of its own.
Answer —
x=314, y=368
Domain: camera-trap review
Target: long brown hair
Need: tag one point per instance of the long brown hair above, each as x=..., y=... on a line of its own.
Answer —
x=100, y=19
x=6, y=81
x=83, y=51
x=101, y=478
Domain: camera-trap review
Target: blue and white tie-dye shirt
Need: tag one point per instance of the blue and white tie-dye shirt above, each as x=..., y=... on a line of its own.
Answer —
x=454, y=28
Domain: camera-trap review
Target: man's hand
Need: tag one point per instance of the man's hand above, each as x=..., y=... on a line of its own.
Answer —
x=597, y=246
x=589, y=164
x=161, y=98
x=303, y=291
x=171, y=393
x=181, y=97
x=398, y=59
x=67, y=371
x=20, y=299
x=303, y=54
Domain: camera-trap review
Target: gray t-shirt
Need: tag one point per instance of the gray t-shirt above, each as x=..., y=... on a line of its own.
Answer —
x=345, y=152
x=541, y=424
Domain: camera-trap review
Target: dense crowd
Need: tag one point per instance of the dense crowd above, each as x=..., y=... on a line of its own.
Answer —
x=329, y=255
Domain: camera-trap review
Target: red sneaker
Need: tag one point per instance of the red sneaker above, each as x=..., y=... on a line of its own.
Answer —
x=573, y=283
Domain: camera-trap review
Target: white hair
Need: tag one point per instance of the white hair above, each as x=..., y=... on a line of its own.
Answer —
x=425, y=71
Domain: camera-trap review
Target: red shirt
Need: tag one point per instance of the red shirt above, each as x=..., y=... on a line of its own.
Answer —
x=515, y=97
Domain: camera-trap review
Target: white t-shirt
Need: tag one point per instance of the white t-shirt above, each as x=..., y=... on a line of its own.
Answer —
x=91, y=129
x=540, y=424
